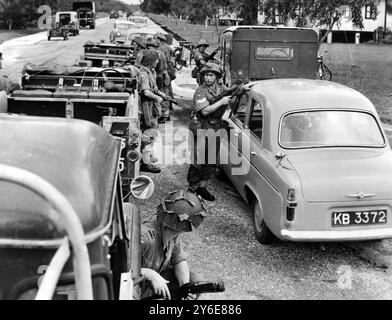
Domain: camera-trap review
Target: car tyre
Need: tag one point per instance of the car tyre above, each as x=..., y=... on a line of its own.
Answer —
x=262, y=233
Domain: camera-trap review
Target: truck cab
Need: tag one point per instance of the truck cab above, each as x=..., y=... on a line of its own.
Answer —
x=86, y=13
x=250, y=53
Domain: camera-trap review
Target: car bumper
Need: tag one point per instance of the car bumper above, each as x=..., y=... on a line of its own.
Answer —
x=347, y=235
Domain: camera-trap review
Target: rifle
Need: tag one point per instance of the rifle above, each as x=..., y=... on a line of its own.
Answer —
x=198, y=288
x=235, y=90
x=165, y=97
x=193, y=288
x=212, y=55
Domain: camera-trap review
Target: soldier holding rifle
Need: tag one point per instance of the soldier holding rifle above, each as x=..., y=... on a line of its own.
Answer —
x=201, y=59
x=207, y=114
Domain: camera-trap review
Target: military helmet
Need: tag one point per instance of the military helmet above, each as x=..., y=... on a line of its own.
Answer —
x=152, y=42
x=149, y=58
x=140, y=41
x=181, y=211
x=212, y=67
x=161, y=36
x=202, y=42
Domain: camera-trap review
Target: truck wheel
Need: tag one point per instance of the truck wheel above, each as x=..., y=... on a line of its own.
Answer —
x=262, y=232
x=3, y=102
x=49, y=38
x=92, y=26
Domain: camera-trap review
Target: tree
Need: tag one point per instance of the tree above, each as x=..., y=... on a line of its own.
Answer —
x=316, y=12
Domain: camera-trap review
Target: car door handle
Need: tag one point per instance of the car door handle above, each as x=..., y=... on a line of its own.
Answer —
x=237, y=133
x=253, y=153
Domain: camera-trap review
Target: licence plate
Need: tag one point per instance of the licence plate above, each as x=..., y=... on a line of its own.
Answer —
x=359, y=218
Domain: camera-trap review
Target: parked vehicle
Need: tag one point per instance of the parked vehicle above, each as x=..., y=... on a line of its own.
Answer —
x=140, y=22
x=317, y=165
x=250, y=53
x=63, y=212
x=120, y=31
x=114, y=15
x=86, y=13
x=107, y=54
x=1, y=55
x=58, y=31
x=144, y=33
x=67, y=20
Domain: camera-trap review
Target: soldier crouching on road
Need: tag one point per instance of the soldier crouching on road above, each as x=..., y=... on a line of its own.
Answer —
x=150, y=109
x=164, y=263
x=206, y=116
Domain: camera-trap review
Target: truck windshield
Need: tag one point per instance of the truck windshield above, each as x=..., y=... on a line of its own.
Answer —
x=318, y=129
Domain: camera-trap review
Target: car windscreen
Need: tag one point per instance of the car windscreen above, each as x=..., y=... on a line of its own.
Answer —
x=318, y=129
x=138, y=20
x=124, y=26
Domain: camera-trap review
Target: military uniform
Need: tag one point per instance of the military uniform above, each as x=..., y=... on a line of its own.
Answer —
x=199, y=57
x=150, y=111
x=199, y=173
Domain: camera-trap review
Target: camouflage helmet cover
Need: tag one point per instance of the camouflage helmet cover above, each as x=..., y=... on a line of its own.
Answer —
x=181, y=211
x=202, y=42
x=212, y=67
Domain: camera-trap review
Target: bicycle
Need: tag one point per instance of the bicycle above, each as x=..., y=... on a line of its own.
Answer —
x=323, y=72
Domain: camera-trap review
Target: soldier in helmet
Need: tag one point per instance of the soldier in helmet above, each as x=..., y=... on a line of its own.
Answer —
x=150, y=107
x=206, y=116
x=201, y=58
x=169, y=74
x=162, y=75
x=164, y=263
x=140, y=47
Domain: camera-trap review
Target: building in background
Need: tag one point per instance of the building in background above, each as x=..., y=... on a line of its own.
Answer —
x=345, y=31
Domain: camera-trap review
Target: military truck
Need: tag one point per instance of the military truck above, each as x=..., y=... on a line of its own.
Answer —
x=107, y=54
x=251, y=53
x=107, y=97
x=86, y=13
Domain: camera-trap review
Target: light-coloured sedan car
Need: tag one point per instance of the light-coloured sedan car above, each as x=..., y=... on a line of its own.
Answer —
x=315, y=162
x=120, y=30
x=140, y=22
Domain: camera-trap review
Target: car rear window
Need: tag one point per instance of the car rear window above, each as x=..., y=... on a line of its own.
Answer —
x=274, y=53
x=318, y=129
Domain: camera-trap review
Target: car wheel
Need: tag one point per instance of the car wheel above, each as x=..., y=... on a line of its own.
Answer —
x=48, y=38
x=262, y=232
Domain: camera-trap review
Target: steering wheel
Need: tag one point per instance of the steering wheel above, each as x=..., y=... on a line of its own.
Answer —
x=105, y=77
x=286, y=55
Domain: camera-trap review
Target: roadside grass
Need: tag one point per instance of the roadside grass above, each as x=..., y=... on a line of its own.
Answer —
x=6, y=35
x=366, y=68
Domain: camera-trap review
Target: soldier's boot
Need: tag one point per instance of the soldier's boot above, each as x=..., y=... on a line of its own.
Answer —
x=202, y=191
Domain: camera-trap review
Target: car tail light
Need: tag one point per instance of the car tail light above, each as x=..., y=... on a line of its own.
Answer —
x=291, y=195
x=290, y=211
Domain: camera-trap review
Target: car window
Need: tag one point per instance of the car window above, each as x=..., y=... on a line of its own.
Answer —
x=274, y=53
x=242, y=105
x=255, y=121
x=330, y=129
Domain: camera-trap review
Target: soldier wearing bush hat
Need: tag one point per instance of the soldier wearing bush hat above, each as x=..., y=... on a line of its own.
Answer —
x=164, y=262
x=150, y=107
